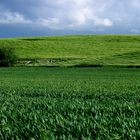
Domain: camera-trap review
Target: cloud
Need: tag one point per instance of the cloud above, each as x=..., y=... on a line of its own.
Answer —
x=65, y=14
x=103, y=22
x=12, y=18
x=135, y=31
x=50, y=22
x=75, y=14
x=78, y=15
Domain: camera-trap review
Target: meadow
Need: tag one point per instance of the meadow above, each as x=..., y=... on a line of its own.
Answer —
x=86, y=88
x=69, y=103
x=80, y=50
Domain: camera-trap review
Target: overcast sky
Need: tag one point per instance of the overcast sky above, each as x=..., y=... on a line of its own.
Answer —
x=58, y=17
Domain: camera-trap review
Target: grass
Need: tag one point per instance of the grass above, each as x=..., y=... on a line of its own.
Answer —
x=46, y=103
x=69, y=103
x=77, y=50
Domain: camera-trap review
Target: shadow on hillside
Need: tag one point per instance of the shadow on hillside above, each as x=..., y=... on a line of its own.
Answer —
x=32, y=39
x=88, y=65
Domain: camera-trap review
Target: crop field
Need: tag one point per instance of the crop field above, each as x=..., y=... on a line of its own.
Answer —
x=69, y=103
x=80, y=50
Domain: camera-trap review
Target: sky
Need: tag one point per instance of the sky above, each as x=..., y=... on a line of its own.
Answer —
x=60, y=17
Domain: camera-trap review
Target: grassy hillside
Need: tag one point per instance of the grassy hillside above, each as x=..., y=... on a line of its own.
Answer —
x=77, y=50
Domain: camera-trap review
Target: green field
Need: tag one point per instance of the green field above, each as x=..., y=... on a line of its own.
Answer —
x=69, y=103
x=82, y=50
x=80, y=102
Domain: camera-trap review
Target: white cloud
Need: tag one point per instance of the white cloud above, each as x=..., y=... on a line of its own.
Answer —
x=50, y=22
x=64, y=14
x=71, y=14
x=135, y=3
x=103, y=22
x=12, y=17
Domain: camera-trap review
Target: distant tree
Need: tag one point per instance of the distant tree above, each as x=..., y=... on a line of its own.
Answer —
x=7, y=57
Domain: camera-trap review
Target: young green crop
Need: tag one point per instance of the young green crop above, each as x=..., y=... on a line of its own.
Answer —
x=69, y=103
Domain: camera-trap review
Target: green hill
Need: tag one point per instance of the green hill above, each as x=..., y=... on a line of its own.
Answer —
x=80, y=50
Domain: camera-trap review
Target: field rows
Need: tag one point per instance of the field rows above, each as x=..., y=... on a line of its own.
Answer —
x=69, y=103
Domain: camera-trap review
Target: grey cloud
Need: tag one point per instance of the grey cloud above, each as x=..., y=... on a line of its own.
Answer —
x=88, y=15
